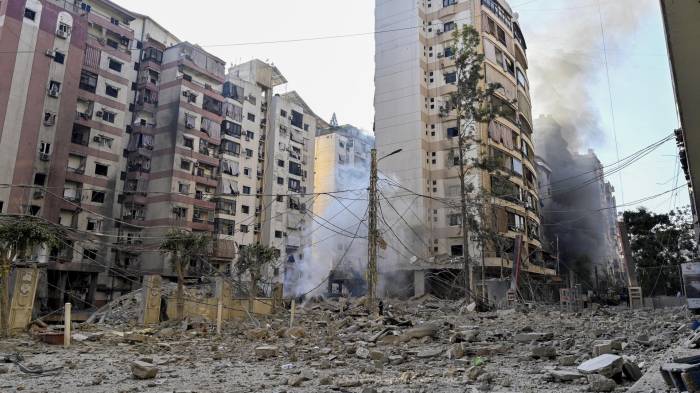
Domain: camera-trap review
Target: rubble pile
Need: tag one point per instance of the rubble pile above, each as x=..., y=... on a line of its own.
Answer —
x=335, y=345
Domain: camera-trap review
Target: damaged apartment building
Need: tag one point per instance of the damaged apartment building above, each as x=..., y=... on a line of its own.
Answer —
x=412, y=91
x=118, y=131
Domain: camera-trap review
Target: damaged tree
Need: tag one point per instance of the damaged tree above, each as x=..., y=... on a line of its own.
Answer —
x=473, y=105
x=183, y=246
x=19, y=236
x=252, y=259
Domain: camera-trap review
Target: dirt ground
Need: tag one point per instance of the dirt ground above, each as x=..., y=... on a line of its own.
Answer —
x=425, y=345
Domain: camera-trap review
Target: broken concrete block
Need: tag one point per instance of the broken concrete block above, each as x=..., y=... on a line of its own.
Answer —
x=464, y=336
x=266, y=351
x=544, y=352
x=600, y=383
x=601, y=347
x=295, y=332
x=607, y=365
x=396, y=360
x=565, y=375
x=429, y=353
x=377, y=356
x=567, y=361
x=530, y=337
x=631, y=370
x=324, y=381
x=143, y=370
x=362, y=353
x=296, y=380
x=455, y=351
x=428, y=330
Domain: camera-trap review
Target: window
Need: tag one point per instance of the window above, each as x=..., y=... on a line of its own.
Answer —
x=39, y=179
x=280, y=181
x=248, y=153
x=455, y=220
x=101, y=169
x=501, y=35
x=249, y=135
x=185, y=165
x=245, y=209
x=247, y=172
x=295, y=168
x=230, y=147
x=244, y=228
x=59, y=57
x=29, y=14
x=278, y=234
x=451, y=77
x=306, y=127
x=251, y=116
x=516, y=222
x=447, y=3
x=114, y=21
x=449, y=51
x=522, y=80
x=88, y=81
x=452, y=132
x=183, y=188
x=246, y=190
x=109, y=117
x=283, y=113
x=112, y=43
x=280, y=163
x=89, y=254
x=280, y=198
x=517, y=166
x=449, y=26
x=98, y=197
x=115, y=65
x=44, y=148
x=153, y=54
x=456, y=250
x=189, y=143
x=54, y=88
x=294, y=184
x=111, y=91
x=297, y=119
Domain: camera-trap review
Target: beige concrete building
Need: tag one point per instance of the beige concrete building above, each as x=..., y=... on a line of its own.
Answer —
x=414, y=74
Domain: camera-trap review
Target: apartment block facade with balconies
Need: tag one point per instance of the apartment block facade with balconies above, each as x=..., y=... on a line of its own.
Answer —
x=415, y=73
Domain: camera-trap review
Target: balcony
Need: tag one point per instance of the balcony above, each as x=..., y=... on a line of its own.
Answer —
x=80, y=135
x=223, y=249
x=499, y=11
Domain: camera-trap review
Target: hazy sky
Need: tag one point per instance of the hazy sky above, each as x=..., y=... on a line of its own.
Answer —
x=336, y=75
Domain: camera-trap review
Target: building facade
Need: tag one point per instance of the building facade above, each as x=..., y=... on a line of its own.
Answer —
x=118, y=131
x=415, y=73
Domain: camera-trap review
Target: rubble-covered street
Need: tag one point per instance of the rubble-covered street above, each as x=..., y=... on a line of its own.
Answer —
x=417, y=346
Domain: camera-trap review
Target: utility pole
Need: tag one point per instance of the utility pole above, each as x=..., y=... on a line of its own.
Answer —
x=372, y=236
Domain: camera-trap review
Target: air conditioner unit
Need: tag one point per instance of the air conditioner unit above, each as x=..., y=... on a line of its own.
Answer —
x=439, y=32
x=189, y=125
x=50, y=53
x=99, y=113
x=62, y=34
x=185, y=93
x=97, y=139
x=440, y=55
x=53, y=92
x=44, y=156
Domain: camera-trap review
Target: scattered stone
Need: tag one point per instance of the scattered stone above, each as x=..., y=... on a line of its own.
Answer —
x=4, y=369
x=143, y=370
x=631, y=370
x=600, y=383
x=456, y=351
x=530, y=337
x=429, y=353
x=325, y=381
x=567, y=360
x=362, y=353
x=377, y=356
x=369, y=390
x=544, y=352
x=266, y=351
x=396, y=360
x=601, y=347
x=428, y=330
x=297, y=380
x=565, y=375
x=607, y=365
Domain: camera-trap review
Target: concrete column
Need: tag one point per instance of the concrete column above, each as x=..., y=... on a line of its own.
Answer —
x=90, y=297
x=419, y=282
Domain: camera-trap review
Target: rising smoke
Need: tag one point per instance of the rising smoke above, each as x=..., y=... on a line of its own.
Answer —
x=567, y=63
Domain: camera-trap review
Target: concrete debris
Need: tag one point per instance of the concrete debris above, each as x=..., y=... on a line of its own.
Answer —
x=335, y=345
x=600, y=383
x=266, y=351
x=607, y=365
x=143, y=370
